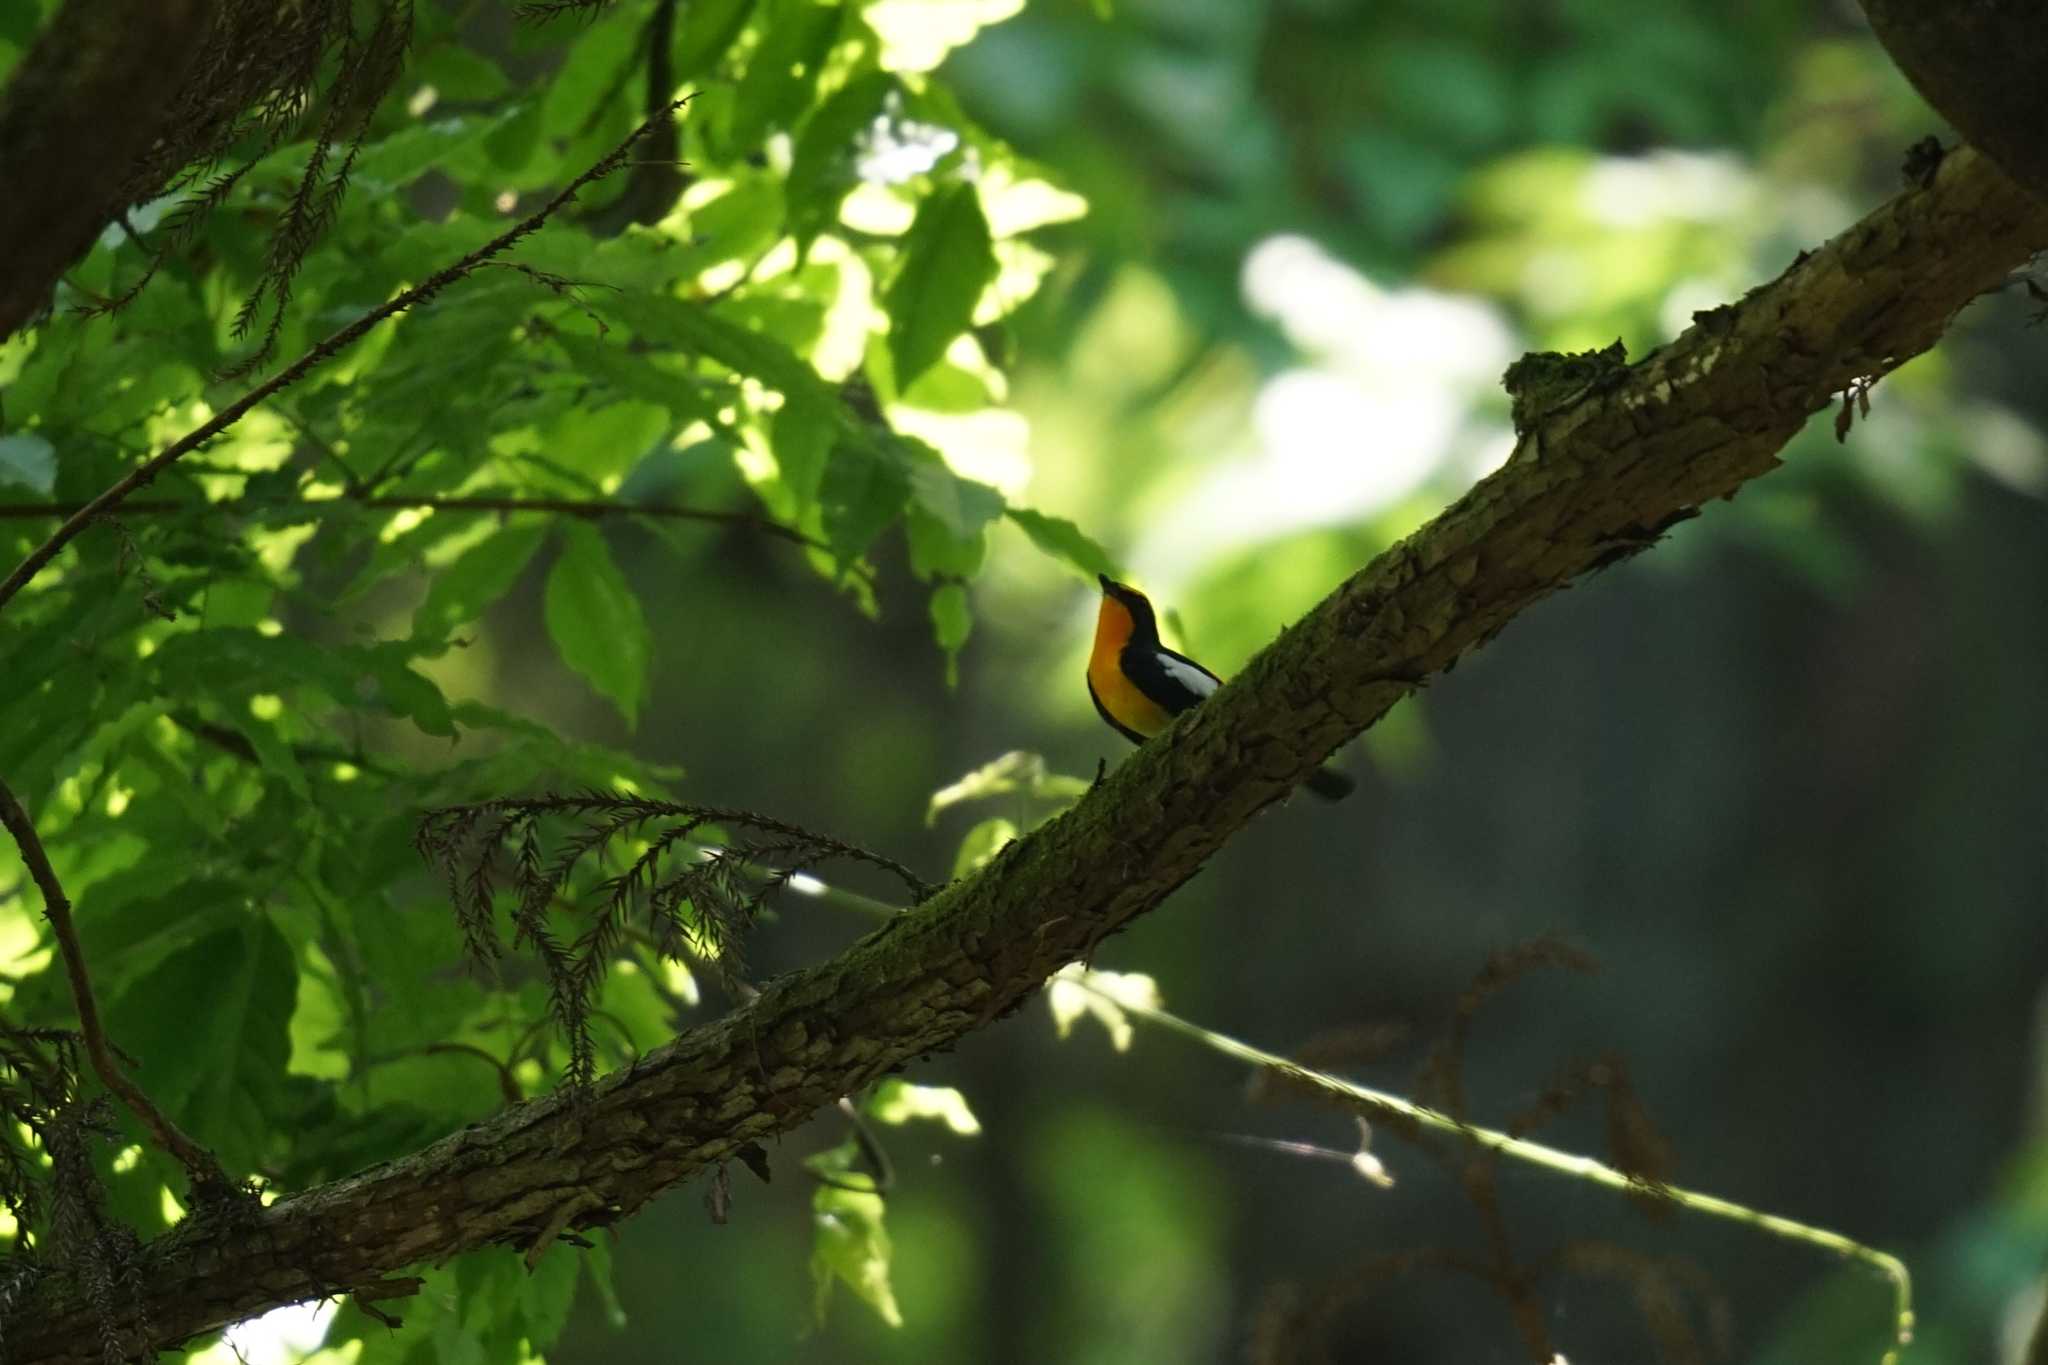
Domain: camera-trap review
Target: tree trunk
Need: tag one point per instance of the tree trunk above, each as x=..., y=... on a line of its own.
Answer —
x=1983, y=64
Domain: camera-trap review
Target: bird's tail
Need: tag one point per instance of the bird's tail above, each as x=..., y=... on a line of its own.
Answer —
x=1329, y=784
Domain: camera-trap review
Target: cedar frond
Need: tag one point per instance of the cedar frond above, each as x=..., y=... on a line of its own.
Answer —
x=693, y=879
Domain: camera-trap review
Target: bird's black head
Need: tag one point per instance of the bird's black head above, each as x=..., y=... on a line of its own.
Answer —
x=1133, y=601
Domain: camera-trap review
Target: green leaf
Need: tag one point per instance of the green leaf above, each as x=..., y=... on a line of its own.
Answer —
x=804, y=431
x=631, y=373
x=405, y=156
x=546, y=1295
x=1014, y=772
x=1063, y=540
x=696, y=330
x=981, y=844
x=29, y=460
x=822, y=169
x=512, y=144
x=211, y=1028
x=131, y=922
x=1102, y=998
x=743, y=222
x=478, y=577
x=596, y=622
x=936, y=551
x=952, y=622
x=861, y=494
x=963, y=506
x=607, y=443
x=796, y=36
x=592, y=73
x=948, y=260
x=849, y=1245
x=394, y=685
x=704, y=31
x=457, y=73
x=917, y=34
x=898, y=1101
x=238, y=602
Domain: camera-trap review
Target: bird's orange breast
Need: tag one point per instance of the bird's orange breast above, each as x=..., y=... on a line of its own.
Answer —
x=1128, y=706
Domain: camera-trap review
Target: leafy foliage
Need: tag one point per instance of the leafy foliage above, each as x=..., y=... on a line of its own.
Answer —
x=234, y=698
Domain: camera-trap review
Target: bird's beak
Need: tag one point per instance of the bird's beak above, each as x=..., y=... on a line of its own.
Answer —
x=1103, y=579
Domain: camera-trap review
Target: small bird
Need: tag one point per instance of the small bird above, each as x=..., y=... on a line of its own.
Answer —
x=1139, y=685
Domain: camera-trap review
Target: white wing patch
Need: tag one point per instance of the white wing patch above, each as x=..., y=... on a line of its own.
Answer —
x=1187, y=675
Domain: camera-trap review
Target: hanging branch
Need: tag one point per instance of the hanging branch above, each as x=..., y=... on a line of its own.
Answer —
x=338, y=342
x=201, y=1165
x=699, y=897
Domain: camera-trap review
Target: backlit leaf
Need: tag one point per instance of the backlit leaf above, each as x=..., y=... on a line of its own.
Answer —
x=596, y=622
x=948, y=260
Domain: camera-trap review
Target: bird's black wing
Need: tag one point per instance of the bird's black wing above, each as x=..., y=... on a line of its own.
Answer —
x=1173, y=680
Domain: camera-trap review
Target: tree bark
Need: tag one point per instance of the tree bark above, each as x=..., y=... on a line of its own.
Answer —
x=90, y=103
x=1608, y=455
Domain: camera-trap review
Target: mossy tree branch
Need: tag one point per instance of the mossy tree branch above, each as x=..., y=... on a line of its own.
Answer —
x=1609, y=454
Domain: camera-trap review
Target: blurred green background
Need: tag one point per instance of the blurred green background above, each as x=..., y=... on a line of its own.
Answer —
x=1782, y=777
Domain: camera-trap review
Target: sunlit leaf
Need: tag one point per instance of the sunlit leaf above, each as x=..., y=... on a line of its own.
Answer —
x=823, y=168
x=982, y=843
x=948, y=260
x=1075, y=992
x=850, y=1246
x=917, y=34
x=783, y=69
x=962, y=506
x=1015, y=771
x=604, y=444
x=898, y=1101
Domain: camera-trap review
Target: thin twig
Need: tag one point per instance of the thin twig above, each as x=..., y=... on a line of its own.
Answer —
x=298, y=369
x=1537, y=1154
x=199, y=1164
x=592, y=508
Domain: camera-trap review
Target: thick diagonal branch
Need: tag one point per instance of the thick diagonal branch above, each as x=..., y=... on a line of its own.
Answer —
x=1594, y=476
